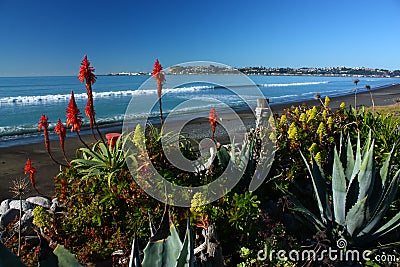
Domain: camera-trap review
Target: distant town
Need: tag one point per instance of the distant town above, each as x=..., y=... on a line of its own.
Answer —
x=333, y=71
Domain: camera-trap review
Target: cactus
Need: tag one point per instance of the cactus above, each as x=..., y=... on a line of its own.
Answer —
x=361, y=196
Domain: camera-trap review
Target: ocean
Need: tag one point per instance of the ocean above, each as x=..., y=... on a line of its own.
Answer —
x=24, y=99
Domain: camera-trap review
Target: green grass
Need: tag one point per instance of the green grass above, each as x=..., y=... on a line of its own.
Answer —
x=390, y=109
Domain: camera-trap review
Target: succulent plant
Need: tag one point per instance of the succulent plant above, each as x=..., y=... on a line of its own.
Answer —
x=165, y=249
x=360, y=195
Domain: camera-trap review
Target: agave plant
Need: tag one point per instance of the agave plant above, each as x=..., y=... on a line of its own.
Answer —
x=165, y=249
x=360, y=195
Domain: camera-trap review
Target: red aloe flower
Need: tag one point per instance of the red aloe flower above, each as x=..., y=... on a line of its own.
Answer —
x=73, y=117
x=213, y=119
x=158, y=75
x=44, y=123
x=62, y=133
x=32, y=172
x=86, y=73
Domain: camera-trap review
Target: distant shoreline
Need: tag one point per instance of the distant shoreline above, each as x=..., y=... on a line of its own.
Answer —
x=358, y=72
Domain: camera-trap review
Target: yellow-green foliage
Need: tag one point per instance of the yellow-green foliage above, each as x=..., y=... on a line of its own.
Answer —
x=313, y=148
x=330, y=123
x=283, y=120
x=198, y=203
x=293, y=132
x=41, y=218
x=321, y=131
x=139, y=138
x=318, y=157
x=327, y=101
x=312, y=114
x=303, y=117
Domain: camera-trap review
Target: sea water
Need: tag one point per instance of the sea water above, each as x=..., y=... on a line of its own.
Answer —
x=24, y=99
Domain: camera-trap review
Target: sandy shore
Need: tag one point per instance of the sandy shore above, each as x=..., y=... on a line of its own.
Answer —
x=12, y=159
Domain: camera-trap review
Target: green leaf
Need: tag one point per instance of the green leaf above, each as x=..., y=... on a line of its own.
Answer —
x=223, y=156
x=384, y=172
x=135, y=260
x=356, y=217
x=365, y=176
x=389, y=226
x=384, y=204
x=7, y=258
x=186, y=256
x=350, y=159
x=65, y=258
x=164, y=246
x=298, y=207
x=338, y=190
x=319, y=185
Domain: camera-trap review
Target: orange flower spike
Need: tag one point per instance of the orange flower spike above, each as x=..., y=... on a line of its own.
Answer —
x=213, y=119
x=44, y=123
x=32, y=172
x=86, y=72
x=158, y=75
x=73, y=117
x=62, y=133
x=157, y=67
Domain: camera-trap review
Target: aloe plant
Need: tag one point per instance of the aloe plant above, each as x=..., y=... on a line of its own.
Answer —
x=100, y=160
x=361, y=196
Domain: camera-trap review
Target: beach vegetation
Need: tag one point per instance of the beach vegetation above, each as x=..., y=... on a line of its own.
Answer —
x=357, y=205
x=330, y=183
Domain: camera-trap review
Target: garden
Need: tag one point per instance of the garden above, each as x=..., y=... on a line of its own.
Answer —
x=333, y=184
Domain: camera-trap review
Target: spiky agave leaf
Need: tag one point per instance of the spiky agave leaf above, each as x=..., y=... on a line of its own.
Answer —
x=135, y=260
x=366, y=174
x=355, y=218
x=319, y=184
x=338, y=190
x=186, y=257
x=164, y=246
x=310, y=217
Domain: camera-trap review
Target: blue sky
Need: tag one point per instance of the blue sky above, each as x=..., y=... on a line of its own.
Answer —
x=50, y=37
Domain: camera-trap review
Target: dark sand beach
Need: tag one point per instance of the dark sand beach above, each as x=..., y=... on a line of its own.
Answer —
x=12, y=159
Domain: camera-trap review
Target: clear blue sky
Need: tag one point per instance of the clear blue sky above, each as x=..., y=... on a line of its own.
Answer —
x=50, y=37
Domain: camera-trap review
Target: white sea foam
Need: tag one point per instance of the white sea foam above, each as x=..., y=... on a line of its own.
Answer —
x=291, y=84
x=38, y=99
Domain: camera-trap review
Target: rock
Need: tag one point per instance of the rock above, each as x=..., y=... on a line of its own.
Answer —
x=28, y=216
x=27, y=225
x=8, y=217
x=14, y=204
x=26, y=229
x=56, y=206
x=39, y=201
x=4, y=206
